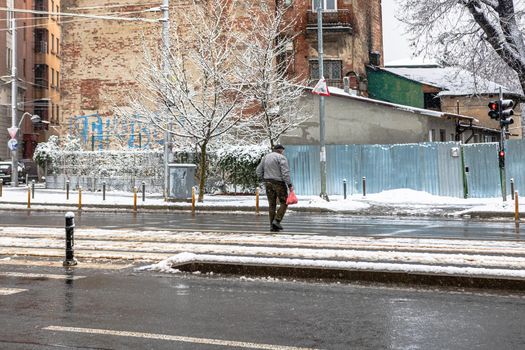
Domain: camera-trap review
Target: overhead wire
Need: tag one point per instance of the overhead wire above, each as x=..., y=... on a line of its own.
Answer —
x=76, y=20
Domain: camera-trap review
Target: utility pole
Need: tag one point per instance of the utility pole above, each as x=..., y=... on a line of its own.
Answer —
x=165, y=54
x=14, y=155
x=502, y=150
x=322, y=155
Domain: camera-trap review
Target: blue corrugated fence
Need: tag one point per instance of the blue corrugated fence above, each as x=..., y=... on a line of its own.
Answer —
x=434, y=167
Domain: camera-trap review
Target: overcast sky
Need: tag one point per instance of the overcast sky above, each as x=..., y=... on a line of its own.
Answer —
x=394, y=41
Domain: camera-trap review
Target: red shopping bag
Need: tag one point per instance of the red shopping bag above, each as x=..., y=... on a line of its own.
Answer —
x=292, y=198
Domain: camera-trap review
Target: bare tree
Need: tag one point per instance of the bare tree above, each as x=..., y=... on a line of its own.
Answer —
x=484, y=36
x=273, y=92
x=195, y=92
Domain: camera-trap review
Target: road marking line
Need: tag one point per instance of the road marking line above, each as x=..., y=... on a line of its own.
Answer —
x=107, y=266
x=40, y=275
x=9, y=291
x=235, y=344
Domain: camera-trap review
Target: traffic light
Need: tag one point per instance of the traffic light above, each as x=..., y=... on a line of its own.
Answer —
x=501, y=156
x=494, y=109
x=506, y=113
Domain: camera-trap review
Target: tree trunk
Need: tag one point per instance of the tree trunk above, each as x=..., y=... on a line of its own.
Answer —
x=202, y=180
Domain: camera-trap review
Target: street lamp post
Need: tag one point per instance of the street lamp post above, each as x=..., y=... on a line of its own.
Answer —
x=165, y=52
x=14, y=155
x=322, y=155
x=35, y=119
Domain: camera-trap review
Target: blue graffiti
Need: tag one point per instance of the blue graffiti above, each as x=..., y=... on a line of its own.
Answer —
x=101, y=131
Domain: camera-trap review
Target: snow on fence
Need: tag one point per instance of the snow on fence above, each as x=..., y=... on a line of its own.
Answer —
x=121, y=170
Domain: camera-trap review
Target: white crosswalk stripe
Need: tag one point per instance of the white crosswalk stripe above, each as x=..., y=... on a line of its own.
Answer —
x=9, y=291
x=40, y=275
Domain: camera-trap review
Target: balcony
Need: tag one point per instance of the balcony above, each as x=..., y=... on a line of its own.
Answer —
x=40, y=46
x=339, y=21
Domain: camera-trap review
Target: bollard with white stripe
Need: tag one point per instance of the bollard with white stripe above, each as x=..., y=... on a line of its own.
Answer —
x=70, y=240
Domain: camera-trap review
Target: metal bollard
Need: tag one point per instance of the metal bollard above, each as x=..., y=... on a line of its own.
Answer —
x=79, y=197
x=32, y=189
x=257, y=200
x=28, y=197
x=193, y=200
x=344, y=188
x=512, y=188
x=70, y=240
x=364, y=186
x=1, y=186
x=104, y=190
x=516, y=208
x=143, y=191
x=67, y=189
x=27, y=178
x=135, y=198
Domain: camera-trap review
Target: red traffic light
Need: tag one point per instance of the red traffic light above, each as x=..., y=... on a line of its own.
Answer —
x=501, y=154
x=493, y=106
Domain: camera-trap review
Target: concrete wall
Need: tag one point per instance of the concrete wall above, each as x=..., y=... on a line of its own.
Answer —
x=361, y=121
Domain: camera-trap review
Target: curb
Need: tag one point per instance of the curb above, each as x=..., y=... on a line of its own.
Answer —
x=324, y=274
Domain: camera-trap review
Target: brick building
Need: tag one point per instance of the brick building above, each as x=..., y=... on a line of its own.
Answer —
x=37, y=71
x=101, y=56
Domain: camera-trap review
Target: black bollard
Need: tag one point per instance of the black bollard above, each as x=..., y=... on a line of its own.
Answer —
x=364, y=186
x=104, y=191
x=143, y=191
x=33, y=189
x=67, y=189
x=512, y=188
x=344, y=188
x=1, y=186
x=70, y=240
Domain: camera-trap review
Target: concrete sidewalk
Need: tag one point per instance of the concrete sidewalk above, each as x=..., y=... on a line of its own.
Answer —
x=396, y=202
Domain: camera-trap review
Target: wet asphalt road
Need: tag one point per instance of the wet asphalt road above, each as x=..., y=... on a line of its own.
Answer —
x=191, y=312
x=325, y=224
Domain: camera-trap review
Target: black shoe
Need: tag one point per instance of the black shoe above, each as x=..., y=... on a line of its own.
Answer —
x=273, y=229
x=276, y=225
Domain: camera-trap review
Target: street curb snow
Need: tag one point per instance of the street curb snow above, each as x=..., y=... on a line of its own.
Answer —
x=450, y=276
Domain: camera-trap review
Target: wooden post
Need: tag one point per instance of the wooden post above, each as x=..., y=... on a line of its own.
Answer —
x=257, y=200
x=79, y=197
x=135, y=198
x=28, y=197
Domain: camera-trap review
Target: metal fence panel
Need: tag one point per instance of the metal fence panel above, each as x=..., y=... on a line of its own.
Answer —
x=305, y=170
x=424, y=167
x=515, y=167
x=481, y=161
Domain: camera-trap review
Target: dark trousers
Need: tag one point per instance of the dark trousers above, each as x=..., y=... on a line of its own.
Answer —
x=276, y=190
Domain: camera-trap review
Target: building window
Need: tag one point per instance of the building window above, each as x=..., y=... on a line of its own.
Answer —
x=58, y=47
x=52, y=77
x=442, y=135
x=52, y=43
x=24, y=31
x=432, y=101
x=58, y=76
x=326, y=5
x=333, y=72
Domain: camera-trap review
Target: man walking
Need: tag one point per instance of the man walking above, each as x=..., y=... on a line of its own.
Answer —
x=275, y=172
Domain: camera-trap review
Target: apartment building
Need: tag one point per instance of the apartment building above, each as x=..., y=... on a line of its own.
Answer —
x=101, y=57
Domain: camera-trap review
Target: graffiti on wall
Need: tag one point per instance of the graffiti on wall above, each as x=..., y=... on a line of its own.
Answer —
x=100, y=132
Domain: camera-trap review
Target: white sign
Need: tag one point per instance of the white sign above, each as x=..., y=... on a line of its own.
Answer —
x=12, y=144
x=321, y=88
x=12, y=131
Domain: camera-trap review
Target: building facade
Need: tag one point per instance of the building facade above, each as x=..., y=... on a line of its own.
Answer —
x=37, y=36
x=101, y=57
